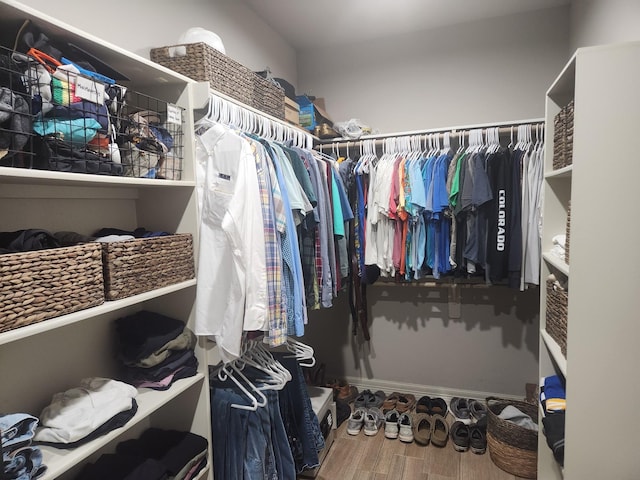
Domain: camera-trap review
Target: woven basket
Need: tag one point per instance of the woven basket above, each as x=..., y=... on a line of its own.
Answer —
x=141, y=265
x=568, y=236
x=559, y=140
x=512, y=448
x=206, y=64
x=557, y=313
x=268, y=97
x=43, y=284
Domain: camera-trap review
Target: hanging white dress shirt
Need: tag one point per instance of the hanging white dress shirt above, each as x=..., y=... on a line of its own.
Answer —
x=232, y=278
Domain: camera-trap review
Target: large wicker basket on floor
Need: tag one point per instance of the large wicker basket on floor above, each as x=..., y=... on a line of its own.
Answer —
x=512, y=448
x=144, y=264
x=43, y=284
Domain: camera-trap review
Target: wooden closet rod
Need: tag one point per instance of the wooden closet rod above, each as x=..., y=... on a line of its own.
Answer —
x=504, y=129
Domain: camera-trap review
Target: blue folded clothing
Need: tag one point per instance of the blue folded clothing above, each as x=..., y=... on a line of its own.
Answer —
x=553, y=387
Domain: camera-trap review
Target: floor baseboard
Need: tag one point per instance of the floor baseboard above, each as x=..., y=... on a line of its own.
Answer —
x=421, y=390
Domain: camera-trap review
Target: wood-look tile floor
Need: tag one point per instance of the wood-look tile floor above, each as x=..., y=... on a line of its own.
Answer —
x=359, y=457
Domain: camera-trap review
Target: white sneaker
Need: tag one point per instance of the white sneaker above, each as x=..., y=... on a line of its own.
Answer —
x=391, y=424
x=373, y=419
x=405, y=424
x=355, y=422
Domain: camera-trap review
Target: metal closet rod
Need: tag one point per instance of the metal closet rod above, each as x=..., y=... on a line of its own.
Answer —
x=504, y=128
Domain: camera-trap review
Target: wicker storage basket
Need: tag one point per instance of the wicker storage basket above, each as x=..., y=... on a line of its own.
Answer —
x=568, y=234
x=559, y=140
x=42, y=284
x=206, y=64
x=512, y=448
x=557, y=313
x=268, y=97
x=144, y=264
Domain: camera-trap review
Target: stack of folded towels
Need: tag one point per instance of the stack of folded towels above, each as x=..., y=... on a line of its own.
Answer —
x=155, y=350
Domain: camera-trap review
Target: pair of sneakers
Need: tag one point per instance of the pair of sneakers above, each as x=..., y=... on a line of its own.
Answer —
x=367, y=419
x=467, y=410
x=398, y=425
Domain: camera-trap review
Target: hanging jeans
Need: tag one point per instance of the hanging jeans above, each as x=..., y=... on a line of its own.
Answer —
x=300, y=421
x=248, y=444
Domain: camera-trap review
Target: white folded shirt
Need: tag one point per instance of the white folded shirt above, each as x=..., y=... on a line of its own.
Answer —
x=75, y=413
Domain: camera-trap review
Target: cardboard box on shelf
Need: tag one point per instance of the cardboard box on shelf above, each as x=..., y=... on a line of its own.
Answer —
x=291, y=111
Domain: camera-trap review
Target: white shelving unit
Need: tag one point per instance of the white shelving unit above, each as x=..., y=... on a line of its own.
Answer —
x=600, y=367
x=42, y=359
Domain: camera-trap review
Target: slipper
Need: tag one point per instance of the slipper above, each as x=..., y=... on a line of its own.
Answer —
x=439, y=431
x=422, y=426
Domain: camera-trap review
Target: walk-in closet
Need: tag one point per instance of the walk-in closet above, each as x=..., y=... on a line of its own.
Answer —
x=247, y=240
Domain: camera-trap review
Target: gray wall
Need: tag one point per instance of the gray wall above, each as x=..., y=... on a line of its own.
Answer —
x=492, y=348
x=596, y=22
x=486, y=71
x=139, y=25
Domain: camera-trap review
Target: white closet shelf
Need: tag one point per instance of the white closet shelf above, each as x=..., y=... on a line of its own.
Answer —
x=564, y=172
x=46, y=177
x=556, y=262
x=555, y=351
x=106, y=307
x=59, y=461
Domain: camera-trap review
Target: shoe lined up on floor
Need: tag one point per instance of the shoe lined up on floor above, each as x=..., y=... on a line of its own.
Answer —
x=343, y=391
x=467, y=410
x=391, y=427
x=369, y=418
x=367, y=399
x=402, y=402
x=356, y=421
x=405, y=428
x=470, y=437
x=373, y=419
x=432, y=406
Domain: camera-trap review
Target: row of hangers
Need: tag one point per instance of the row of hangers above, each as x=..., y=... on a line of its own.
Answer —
x=431, y=143
x=255, y=354
x=221, y=110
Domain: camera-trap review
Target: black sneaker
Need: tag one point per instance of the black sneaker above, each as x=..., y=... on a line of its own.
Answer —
x=478, y=438
x=460, y=436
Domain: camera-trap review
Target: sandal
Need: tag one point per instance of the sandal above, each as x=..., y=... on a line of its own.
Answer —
x=437, y=406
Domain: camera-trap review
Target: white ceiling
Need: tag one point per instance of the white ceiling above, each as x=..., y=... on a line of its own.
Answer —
x=306, y=24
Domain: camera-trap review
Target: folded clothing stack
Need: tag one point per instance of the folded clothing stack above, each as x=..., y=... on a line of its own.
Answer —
x=156, y=455
x=155, y=350
x=20, y=459
x=83, y=413
x=553, y=398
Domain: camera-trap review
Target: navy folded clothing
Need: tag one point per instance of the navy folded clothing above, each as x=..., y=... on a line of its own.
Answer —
x=174, y=449
x=144, y=332
x=174, y=363
x=554, y=433
x=123, y=467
